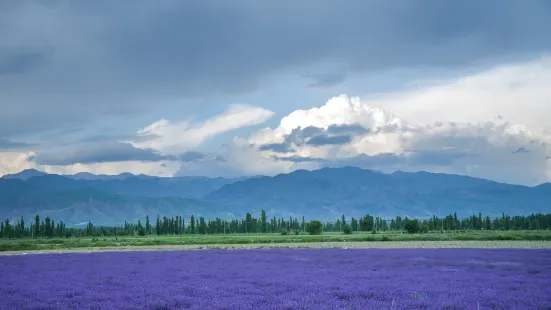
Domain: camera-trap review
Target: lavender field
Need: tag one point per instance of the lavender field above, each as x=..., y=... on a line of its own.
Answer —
x=280, y=279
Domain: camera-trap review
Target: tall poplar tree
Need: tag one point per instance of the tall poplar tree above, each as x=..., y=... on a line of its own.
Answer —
x=36, y=226
x=192, y=224
x=147, y=225
x=264, y=224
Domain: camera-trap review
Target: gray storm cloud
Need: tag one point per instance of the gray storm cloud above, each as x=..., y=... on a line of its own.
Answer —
x=78, y=60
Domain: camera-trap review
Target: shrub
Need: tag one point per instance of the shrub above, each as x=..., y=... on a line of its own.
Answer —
x=411, y=226
x=347, y=229
x=284, y=231
x=425, y=228
x=297, y=232
x=315, y=227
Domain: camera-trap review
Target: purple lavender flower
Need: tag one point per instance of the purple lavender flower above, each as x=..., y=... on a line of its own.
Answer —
x=280, y=279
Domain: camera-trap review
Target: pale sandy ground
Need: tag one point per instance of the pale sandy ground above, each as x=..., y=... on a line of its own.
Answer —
x=312, y=245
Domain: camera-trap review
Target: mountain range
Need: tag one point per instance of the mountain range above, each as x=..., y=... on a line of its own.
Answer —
x=321, y=194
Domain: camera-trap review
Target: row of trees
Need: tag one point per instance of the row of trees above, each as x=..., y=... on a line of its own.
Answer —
x=47, y=228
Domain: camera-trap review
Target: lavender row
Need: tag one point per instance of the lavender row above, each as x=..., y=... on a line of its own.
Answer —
x=280, y=279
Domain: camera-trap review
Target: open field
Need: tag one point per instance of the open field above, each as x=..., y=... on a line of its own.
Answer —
x=306, y=245
x=281, y=279
x=219, y=240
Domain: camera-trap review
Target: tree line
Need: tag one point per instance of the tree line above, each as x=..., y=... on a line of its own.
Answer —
x=48, y=228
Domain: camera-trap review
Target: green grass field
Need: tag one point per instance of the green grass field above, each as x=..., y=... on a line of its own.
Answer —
x=60, y=244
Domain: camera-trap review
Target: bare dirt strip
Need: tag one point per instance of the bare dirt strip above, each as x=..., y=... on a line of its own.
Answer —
x=309, y=245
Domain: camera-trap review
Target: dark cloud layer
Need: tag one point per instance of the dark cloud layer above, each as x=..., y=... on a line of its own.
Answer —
x=191, y=156
x=9, y=145
x=277, y=147
x=19, y=61
x=300, y=159
x=81, y=59
x=385, y=160
x=96, y=153
x=315, y=136
x=361, y=160
x=326, y=80
x=521, y=150
x=436, y=157
x=356, y=129
x=329, y=140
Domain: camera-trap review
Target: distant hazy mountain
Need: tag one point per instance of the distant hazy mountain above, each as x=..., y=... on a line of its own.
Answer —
x=123, y=184
x=24, y=175
x=83, y=205
x=322, y=194
x=90, y=176
x=107, y=199
x=330, y=192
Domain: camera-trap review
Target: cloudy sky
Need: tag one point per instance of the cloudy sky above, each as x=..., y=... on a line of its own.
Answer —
x=250, y=87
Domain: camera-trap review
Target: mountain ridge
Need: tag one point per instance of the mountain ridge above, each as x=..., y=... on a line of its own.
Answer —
x=385, y=194
x=325, y=194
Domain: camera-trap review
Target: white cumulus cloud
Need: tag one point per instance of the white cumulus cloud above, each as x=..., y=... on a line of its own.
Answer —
x=518, y=92
x=492, y=124
x=13, y=162
x=471, y=125
x=176, y=138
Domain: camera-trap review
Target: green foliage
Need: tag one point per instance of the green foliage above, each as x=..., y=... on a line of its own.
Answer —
x=141, y=230
x=315, y=227
x=411, y=226
x=347, y=229
x=366, y=223
x=263, y=222
x=449, y=227
x=425, y=227
x=233, y=239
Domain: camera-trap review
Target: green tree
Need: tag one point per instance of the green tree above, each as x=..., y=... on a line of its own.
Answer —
x=192, y=224
x=479, y=221
x=354, y=224
x=488, y=223
x=264, y=223
x=47, y=227
x=89, y=229
x=202, y=226
x=338, y=225
x=315, y=227
x=411, y=226
x=7, y=228
x=346, y=229
x=366, y=223
x=36, y=226
x=425, y=227
x=249, y=223
x=21, y=227
x=141, y=230
x=147, y=225
x=158, y=230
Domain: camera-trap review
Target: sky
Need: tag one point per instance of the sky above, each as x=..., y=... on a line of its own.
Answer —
x=217, y=88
